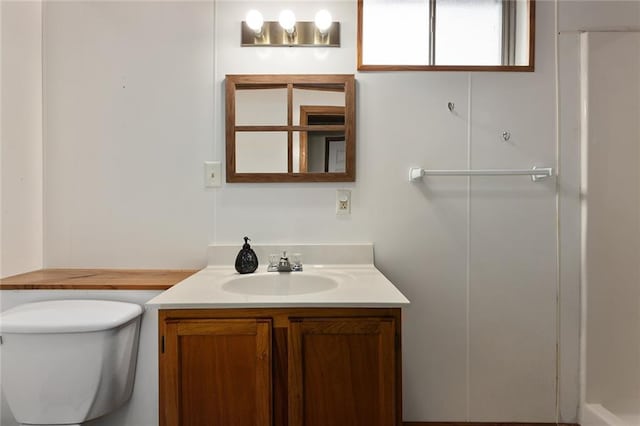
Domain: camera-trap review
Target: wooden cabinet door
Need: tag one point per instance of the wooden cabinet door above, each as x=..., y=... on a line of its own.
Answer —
x=216, y=372
x=342, y=372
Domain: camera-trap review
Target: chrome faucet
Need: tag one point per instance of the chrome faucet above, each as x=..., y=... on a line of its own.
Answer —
x=283, y=265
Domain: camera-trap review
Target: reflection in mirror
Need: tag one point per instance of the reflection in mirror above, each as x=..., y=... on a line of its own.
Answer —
x=313, y=152
x=334, y=154
x=312, y=149
x=322, y=96
x=312, y=141
x=446, y=35
x=258, y=106
x=261, y=152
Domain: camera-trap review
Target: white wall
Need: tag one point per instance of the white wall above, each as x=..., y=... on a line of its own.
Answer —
x=600, y=106
x=598, y=15
x=612, y=203
x=128, y=123
x=134, y=104
x=575, y=16
x=21, y=213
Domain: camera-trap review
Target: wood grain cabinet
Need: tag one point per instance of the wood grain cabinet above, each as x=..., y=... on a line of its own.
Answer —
x=280, y=367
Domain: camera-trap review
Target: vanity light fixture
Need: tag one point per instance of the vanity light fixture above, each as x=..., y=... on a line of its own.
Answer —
x=322, y=32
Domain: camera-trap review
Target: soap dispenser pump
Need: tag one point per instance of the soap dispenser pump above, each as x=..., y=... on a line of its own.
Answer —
x=246, y=261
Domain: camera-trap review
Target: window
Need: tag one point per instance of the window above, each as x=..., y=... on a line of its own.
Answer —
x=422, y=34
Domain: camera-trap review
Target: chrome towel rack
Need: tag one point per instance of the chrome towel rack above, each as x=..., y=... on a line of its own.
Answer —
x=536, y=173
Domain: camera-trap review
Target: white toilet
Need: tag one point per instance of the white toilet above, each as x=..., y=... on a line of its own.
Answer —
x=65, y=362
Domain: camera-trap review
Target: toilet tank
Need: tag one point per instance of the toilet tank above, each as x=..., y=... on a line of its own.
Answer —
x=68, y=361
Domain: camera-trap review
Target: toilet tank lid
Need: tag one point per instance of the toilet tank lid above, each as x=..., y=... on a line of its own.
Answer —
x=67, y=316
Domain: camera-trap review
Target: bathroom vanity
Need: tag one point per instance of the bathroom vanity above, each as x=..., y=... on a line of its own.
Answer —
x=321, y=366
x=317, y=347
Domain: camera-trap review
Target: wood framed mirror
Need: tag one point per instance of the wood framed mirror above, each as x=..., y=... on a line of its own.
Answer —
x=446, y=35
x=290, y=128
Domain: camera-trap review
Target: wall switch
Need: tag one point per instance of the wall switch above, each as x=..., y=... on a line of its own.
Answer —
x=212, y=174
x=343, y=202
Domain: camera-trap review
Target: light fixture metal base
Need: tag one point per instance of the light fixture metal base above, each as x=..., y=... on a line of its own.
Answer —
x=306, y=34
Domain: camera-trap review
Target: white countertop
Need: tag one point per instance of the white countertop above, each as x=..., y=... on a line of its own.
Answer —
x=356, y=285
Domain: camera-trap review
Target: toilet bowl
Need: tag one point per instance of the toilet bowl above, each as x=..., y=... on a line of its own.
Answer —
x=65, y=362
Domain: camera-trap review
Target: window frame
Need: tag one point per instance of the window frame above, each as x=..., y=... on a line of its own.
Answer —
x=518, y=68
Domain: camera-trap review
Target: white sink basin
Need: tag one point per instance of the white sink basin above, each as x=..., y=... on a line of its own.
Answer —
x=279, y=284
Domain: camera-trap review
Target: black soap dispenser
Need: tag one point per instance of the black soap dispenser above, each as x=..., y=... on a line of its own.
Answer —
x=246, y=261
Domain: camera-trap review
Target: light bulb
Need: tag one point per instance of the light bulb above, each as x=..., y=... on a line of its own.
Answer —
x=287, y=20
x=323, y=21
x=254, y=20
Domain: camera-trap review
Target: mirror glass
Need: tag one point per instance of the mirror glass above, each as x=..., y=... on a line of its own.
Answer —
x=261, y=152
x=266, y=106
x=305, y=99
x=490, y=35
x=296, y=128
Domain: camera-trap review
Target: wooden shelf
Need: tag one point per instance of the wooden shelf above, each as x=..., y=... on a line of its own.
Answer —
x=95, y=279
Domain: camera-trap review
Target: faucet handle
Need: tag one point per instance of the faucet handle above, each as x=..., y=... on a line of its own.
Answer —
x=274, y=260
x=296, y=261
x=284, y=254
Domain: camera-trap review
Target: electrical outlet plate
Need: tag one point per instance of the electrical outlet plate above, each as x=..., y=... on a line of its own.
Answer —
x=212, y=174
x=343, y=202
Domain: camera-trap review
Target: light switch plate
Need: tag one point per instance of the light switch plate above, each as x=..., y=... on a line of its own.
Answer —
x=343, y=202
x=212, y=174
